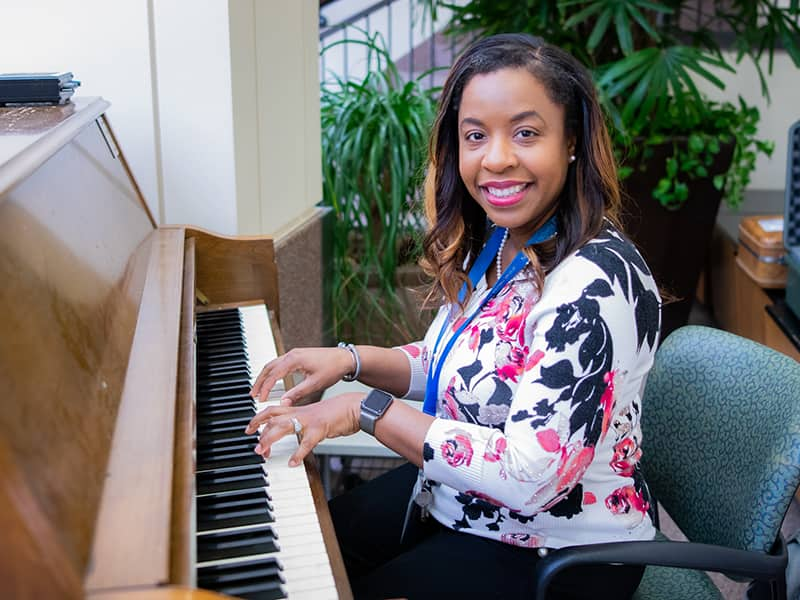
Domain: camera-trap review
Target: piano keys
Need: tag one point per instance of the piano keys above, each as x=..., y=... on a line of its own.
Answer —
x=252, y=517
x=123, y=459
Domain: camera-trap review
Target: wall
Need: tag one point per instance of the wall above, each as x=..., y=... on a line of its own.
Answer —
x=215, y=137
x=106, y=46
x=776, y=116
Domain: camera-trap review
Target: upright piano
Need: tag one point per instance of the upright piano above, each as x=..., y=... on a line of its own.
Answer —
x=126, y=353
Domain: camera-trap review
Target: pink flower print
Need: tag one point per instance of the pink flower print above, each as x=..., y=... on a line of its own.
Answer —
x=450, y=405
x=457, y=323
x=589, y=498
x=412, y=349
x=524, y=540
x=622, y=500
x=514, y=325
x=607, y=401
x=626, y=455
x=575, y=459
x=499, y=448
x=534, y=359
x=457, y=451
x=549, y=440
x=509, y=361
x=474, y=337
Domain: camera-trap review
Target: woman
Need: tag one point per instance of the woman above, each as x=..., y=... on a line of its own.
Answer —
x=532, y=370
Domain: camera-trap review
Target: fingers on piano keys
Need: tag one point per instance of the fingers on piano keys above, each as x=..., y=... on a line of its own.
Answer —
x=258, y=534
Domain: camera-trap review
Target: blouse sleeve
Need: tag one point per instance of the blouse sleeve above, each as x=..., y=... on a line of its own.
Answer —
x=416, y=385
x=580, y=345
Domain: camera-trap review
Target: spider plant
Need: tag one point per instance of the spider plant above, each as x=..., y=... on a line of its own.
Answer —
x=374, y=137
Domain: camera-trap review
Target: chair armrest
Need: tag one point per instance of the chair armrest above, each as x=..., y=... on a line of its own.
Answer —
x=686, y=555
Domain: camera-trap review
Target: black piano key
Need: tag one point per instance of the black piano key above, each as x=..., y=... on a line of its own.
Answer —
x=227, y=441
x=236, y=509
x=220, y=406
x=205, y=367
x=210, y=452
x=213, y=434
x=216, y=315
x=261, y=576
x=242, y=542
x=218, y=354
x=228, y=480
x=238, y=394
x=223, y=345
x=224, y=390
x=229, y=459
x=223, y=427
x=227, y=380
x=241, y=413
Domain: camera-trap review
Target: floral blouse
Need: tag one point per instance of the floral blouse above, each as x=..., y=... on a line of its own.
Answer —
x=537, y=437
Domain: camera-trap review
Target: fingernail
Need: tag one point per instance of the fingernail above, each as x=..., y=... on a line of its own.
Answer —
x=258, y=449
x=293, y=462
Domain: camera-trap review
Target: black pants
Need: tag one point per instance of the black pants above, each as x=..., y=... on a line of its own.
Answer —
x=435, y=562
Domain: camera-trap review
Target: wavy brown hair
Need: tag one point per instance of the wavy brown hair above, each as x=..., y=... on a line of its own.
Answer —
x=457, y=224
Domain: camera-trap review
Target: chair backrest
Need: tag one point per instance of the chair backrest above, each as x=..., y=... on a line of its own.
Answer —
x=721, y=436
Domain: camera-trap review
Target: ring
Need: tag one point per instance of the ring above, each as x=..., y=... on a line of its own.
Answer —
x=298, y=427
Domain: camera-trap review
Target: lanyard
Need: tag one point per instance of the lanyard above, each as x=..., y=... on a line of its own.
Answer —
x=477, y=271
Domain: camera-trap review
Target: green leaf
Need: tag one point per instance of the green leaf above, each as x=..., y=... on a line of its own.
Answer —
x=696, y=143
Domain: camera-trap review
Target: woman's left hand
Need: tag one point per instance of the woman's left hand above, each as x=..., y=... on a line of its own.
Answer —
x=333, y=417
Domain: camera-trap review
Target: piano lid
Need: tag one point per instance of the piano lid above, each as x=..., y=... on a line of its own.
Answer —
x=74, y=243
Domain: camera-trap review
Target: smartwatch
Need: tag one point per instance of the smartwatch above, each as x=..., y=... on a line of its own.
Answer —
x=373, y=407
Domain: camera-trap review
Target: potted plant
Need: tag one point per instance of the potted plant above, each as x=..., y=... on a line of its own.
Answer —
x=374, y=142
x=679, y=152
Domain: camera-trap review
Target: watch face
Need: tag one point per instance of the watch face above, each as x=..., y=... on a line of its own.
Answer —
x=377, y=401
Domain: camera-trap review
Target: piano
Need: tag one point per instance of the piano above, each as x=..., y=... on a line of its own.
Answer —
x=126, y=353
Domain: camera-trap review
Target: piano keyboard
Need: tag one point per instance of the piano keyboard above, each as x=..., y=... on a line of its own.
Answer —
x=258, y=534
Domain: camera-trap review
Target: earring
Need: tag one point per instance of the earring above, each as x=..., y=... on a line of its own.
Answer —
x=572, y=158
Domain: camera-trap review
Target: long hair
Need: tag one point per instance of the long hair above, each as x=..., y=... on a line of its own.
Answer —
x=457, y=223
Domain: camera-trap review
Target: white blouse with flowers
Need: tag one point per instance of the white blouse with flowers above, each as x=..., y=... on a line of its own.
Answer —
x=537, y=437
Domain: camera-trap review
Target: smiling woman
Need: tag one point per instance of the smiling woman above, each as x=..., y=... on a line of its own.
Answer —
x=514, y=151
x=531, y=373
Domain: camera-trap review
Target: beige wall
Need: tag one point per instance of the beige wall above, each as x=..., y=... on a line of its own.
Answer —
x=776, y=116
x=275, y=89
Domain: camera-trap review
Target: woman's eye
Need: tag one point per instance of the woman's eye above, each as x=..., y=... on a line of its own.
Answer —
x=526, y=133
x=474, y=136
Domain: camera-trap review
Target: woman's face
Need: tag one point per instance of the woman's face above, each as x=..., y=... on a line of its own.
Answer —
x=513, y=151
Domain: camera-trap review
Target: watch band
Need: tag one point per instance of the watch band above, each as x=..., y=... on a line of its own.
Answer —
x=373, y=407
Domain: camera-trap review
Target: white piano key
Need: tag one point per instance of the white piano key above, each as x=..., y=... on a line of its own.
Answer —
x=260, y=341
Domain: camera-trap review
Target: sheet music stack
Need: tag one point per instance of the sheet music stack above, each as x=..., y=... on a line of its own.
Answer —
x=36, y=88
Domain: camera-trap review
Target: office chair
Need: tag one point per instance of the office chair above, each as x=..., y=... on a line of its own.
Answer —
x=721, y=453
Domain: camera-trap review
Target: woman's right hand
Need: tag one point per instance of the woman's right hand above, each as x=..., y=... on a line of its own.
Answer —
x=321, y=367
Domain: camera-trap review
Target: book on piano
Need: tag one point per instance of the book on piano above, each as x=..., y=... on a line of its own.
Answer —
x=36, y=88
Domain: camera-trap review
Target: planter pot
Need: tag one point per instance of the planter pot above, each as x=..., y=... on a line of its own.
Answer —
x=675, y=243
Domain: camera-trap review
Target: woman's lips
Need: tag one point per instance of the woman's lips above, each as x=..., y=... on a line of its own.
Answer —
x=504, y=194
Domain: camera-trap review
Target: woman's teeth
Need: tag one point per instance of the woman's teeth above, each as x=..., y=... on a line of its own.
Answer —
x=506, y=192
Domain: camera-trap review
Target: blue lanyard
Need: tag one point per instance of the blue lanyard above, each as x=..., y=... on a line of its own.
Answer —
x=477, y=271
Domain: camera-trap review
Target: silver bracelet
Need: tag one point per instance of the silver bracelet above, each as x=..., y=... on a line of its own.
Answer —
x=356, y=358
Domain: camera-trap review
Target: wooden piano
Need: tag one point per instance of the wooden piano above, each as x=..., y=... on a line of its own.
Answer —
x=124, y=469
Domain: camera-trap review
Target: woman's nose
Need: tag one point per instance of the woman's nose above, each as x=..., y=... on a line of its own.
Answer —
x=499, y=155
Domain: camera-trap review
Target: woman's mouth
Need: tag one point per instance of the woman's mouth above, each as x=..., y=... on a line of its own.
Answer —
x=504, y=195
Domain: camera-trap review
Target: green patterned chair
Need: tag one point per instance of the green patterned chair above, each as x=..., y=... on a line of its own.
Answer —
x=721, y=430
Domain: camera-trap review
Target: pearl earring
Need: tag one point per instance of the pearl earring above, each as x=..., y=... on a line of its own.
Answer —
x=572, y=158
